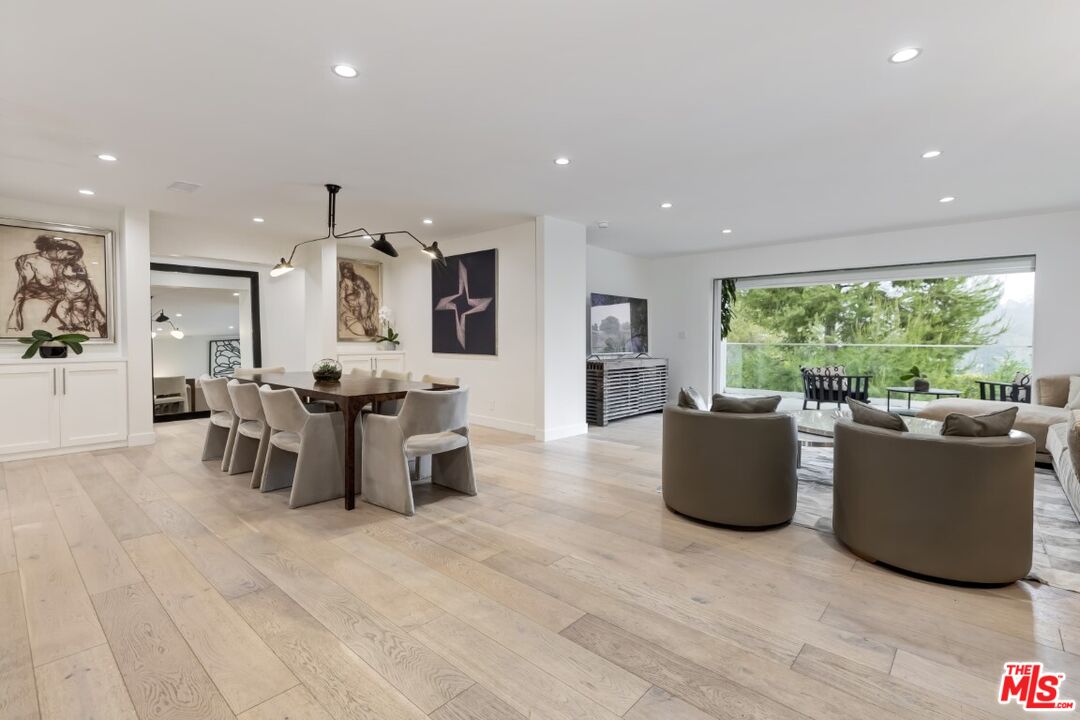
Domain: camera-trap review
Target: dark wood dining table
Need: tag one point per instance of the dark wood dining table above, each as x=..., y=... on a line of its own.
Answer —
x=351, y=394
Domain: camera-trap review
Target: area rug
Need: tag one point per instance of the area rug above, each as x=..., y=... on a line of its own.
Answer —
x=1056, y=544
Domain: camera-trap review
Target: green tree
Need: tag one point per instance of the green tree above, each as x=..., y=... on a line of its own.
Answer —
x=870, y=328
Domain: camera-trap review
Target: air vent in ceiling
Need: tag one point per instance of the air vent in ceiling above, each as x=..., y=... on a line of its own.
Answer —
x=181, y=186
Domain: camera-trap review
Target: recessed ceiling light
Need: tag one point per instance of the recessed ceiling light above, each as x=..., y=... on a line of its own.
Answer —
x=231, y=327
x=93, y=262
x=931, y=154
x=107, y=157
x=904, y=55
x=946, y=199
x=726, y=231
x=562, y=161
x=179, y=314
x=665, y=205
x=428, y=221
x=258, y=220
x=85, y=191
x=236, y=294
x=345, y=71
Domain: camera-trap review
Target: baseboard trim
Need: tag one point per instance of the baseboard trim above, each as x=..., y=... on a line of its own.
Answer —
x=148, y=438
x=564, y=431
x=502, y=424
x=34, y=454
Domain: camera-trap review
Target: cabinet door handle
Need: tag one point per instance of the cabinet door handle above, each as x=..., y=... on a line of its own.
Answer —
x=54, y=381
x=65, y=381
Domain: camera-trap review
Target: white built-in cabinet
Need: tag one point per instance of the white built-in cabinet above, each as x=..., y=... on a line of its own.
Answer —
x=374, y=361
x=47, y=406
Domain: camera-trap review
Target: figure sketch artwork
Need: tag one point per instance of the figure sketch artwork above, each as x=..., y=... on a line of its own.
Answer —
x=359, y=298
x=463, y=299
x=54, y=278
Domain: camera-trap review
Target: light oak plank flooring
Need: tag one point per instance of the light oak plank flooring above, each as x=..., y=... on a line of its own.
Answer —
x=145, y=583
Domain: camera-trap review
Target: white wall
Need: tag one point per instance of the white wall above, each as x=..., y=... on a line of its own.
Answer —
x=502, y=387
x=616, y=273
x=561, y=319
x=189, y=357
x=681, y=311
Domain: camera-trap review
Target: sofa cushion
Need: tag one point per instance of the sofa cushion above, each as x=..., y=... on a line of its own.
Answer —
x=725, y=404
x=995, y=424
x=866, y=414
x=1035, y=420
x=1074, y=393
x=691, y=399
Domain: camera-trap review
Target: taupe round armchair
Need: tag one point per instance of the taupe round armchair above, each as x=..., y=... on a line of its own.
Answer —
x=730, y=468
x=958, y=508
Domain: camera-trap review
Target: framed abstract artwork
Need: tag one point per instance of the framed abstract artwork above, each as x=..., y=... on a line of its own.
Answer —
x=464, y=297
x=224, y=357
x=57, y=278
x=359, y=296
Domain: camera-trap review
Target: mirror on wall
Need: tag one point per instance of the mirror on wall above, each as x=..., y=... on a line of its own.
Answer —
x=203, y=321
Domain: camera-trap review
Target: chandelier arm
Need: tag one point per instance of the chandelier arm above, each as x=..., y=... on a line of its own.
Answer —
x=305, y=242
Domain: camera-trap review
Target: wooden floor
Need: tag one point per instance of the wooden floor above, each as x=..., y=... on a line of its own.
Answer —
x=144, y=583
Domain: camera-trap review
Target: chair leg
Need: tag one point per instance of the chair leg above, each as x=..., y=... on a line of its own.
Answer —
x=226, y=457
x=245, y=451
x=260, y=460
x=216, y=439
x=280, y=468
x=454, y=470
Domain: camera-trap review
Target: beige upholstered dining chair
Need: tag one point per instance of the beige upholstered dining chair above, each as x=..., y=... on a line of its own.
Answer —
x=252, y=433
x=248, y=373
x=431, y=422
x=391, y=407
x=222, y=428
x=441, y=380
x=171, y=394
x=306, y=450
x=395, y=375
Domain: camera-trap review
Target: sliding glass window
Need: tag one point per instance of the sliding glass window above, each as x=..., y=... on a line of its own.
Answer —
x=958, y=322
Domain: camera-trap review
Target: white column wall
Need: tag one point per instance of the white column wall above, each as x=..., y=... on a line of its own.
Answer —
x=561, y=321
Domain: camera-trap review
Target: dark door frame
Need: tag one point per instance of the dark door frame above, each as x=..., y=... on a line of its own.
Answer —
x=256, y=327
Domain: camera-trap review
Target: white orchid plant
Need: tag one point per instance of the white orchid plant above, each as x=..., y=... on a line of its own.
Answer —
x=386, y=319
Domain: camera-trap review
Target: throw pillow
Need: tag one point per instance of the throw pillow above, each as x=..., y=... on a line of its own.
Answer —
x=866, y=414
x=691, y=399
x=996, y=424
x=1074, y=393
x=723, y=404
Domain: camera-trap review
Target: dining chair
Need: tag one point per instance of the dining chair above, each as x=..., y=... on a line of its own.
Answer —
x=252, y=433
x=441, y=380
x=248, y=373
x=391, y=407
x=306, y=449
x=222, y=428
x=431, y=423
x=171, y=394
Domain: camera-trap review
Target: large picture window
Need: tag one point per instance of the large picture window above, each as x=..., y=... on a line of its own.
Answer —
x=959, y=322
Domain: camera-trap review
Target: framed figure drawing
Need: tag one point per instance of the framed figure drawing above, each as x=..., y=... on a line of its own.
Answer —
x=463, y=304
x=57, y=278
x=359, y=296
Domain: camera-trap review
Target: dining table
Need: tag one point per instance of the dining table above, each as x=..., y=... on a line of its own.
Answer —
x=351, y=394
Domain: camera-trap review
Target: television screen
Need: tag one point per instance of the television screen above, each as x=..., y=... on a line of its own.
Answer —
x=618, y=324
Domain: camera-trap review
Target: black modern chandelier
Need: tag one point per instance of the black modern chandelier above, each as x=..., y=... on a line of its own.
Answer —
x=381, y=243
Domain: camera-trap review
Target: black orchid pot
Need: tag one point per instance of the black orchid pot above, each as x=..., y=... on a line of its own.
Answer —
x=921, y=385
x=53, y=352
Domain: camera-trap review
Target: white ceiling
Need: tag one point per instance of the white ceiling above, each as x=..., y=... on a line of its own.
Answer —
x=196, y=310
x=781, y=119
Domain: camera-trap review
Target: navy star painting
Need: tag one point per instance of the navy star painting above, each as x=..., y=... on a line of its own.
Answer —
x=53, y=278
x=463, y=299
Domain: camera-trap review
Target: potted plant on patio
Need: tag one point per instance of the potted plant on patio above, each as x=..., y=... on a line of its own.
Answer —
x=918, y=382
x=52, y=347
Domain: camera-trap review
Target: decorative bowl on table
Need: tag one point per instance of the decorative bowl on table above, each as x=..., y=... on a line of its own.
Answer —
x=326, y=370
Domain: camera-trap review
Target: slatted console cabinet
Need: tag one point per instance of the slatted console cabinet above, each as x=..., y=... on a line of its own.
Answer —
x=622, y=387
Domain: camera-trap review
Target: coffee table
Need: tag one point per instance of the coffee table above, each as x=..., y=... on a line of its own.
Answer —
x=910, y=391
x=816, y=427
